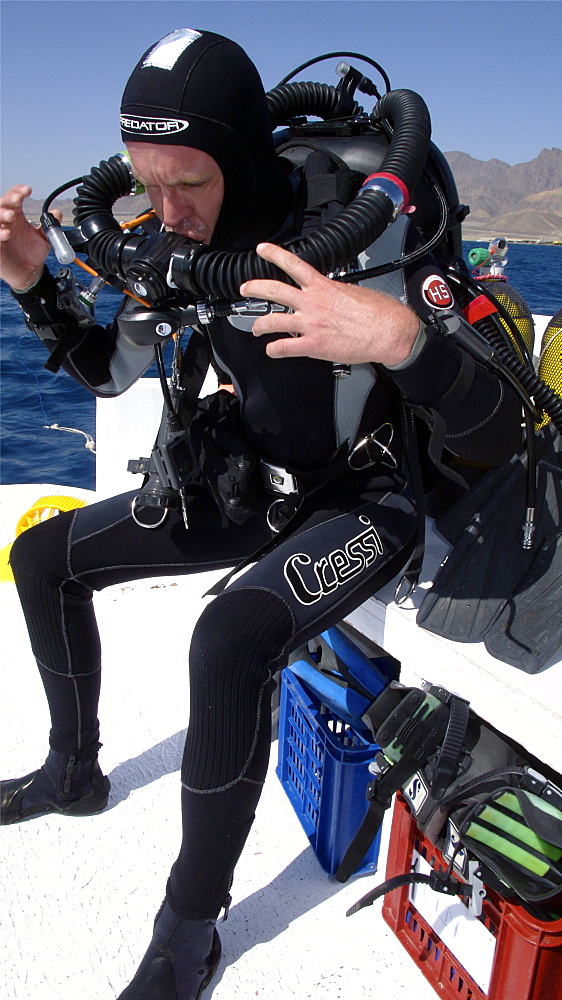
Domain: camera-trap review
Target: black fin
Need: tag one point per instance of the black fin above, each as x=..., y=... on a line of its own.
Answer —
x=528, y=631
x=488, y=577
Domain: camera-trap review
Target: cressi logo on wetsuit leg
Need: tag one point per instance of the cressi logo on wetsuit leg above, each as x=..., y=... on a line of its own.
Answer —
x=310, y=580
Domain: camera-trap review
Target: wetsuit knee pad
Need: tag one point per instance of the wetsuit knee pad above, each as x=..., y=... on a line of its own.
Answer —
x=236, y=645
x=40, y=553
x=242, y=629
x=39, y=559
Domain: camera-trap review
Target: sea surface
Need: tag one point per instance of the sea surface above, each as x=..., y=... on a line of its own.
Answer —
x=32, y=397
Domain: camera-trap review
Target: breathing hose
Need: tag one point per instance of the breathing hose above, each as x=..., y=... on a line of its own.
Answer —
x=544, y=397
x=290, y=100
x=152, y=261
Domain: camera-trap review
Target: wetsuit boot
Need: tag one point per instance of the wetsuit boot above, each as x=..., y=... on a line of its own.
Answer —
x=180, y=960
x=69, y=784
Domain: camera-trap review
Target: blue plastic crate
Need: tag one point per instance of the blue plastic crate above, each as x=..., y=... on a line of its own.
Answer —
x=323, y=767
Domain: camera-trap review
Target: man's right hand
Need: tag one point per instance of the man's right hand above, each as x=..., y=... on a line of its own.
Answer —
x=23, y=247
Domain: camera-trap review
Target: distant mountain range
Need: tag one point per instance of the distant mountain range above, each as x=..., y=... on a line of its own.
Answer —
x=522, y=202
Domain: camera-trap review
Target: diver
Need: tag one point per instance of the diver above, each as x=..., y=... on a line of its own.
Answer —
x=205, y=154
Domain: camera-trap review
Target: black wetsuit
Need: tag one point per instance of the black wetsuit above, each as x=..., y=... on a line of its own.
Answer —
x=354, y=534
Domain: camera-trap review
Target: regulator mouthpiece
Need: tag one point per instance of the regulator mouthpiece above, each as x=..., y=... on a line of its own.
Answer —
x=359, y=81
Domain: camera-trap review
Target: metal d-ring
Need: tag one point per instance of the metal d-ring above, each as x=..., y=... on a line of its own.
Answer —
x=385, y=455
x=142, y=524
x=270, y=524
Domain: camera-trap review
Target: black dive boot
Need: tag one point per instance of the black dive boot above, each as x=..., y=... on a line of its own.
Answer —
x=73, y=785
x=180, y=960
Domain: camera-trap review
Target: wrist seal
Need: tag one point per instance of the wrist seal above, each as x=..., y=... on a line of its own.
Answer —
x=40, y=306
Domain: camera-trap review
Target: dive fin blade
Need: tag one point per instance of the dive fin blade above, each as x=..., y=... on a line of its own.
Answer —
x=528, y=631
x=483, y=568
x=489, y=580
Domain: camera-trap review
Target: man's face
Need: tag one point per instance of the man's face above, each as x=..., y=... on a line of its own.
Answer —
x=185, y=186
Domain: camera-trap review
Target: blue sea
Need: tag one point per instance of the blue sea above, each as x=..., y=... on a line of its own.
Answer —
x=31, y=397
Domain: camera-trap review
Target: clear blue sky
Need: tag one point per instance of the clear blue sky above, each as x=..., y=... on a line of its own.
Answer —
x=489, y=71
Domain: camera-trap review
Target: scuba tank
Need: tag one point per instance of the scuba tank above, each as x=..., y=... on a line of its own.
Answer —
x=550, y=359
x=489, y=267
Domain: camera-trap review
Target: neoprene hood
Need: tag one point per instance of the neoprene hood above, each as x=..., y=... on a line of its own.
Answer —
x=198, y=89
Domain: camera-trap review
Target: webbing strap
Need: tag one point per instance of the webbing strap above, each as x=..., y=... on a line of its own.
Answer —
x=438, y=881
x=194, y=367
x=421, y=743
x=411, y=573
x=447, y=763
x=436, y=446
x=366, y=832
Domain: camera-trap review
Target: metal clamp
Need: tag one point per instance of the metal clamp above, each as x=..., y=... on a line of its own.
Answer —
x=389, y=188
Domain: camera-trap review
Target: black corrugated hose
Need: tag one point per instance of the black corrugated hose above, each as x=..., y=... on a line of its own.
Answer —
x=219, y=274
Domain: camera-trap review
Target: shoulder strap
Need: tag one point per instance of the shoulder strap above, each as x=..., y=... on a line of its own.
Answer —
x=194, y=367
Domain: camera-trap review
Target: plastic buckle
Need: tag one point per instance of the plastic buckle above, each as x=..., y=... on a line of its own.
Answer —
x=469, y=870
x=378, y=768
x=478, y=889
x=372, y=788
x=276, y=479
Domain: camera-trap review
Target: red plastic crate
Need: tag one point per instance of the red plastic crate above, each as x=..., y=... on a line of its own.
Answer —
x=527, y=956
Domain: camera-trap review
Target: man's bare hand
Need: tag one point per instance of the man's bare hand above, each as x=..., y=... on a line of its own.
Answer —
x=332, y=321
x=23, y=247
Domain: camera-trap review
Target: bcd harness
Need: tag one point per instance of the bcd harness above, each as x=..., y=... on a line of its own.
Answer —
x=287, y=488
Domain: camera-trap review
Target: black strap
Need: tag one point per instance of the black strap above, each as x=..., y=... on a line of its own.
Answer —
x=446, y=766
x=194, y=367
x=67, y=338
x=511, y=775
x=423, y=739
x=411, y=573
x=435, y=451
x=378, y=804
x=451, y=399
x=438, y=881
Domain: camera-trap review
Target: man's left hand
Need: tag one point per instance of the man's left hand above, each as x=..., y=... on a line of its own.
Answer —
x=331, y=321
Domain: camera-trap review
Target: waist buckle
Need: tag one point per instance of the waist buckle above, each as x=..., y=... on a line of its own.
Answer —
x=276, y=479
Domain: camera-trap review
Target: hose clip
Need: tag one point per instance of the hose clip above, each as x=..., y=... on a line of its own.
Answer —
x=392, y=187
